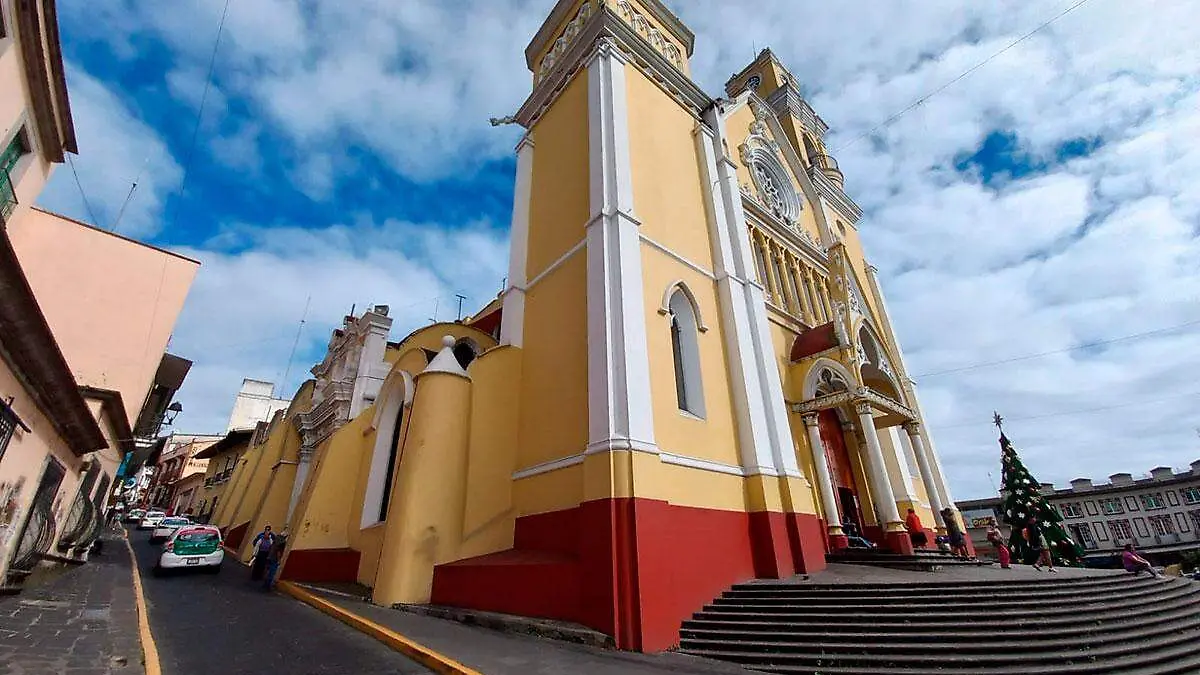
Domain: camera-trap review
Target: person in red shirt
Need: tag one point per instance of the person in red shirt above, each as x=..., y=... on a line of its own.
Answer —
x=915, y=531
x=1135, y=563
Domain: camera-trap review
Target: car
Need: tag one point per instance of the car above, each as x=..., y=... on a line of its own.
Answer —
x=192, y=547
x=151, y=520
x=135, y=516
x=166, y=527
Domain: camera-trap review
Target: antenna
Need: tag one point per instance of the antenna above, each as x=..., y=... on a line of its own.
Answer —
x=128, y=197
x=288, y=371
x=460, y=297
x=436, y=302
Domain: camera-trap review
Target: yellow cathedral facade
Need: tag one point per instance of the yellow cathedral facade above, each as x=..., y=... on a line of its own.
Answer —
x=690, y=381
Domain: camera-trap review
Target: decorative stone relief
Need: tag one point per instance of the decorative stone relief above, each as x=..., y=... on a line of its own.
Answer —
x=564, y=42
x=654, y=36
x=775, y=191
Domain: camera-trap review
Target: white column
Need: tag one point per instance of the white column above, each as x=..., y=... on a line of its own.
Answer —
x=931, y=489
x=620, y=413
x=298, y=484
x=759, y=352
x=885, y=500
x=512, y=320
x=894, y=448
x=833, y=520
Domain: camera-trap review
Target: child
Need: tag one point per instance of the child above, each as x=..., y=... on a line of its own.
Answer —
x=1002, y=552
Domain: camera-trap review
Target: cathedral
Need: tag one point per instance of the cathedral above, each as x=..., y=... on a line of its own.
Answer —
x=690, y=381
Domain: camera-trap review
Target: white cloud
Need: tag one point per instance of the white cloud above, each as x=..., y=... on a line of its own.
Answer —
x=115, y=149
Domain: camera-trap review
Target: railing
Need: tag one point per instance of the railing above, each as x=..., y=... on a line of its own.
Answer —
x=8, y=195
x=826, y=162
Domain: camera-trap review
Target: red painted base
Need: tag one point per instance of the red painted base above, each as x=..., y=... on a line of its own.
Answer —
x=898, y=542
x=838, y=542
x=631, y=568
x=322, y=564
x=235, y=536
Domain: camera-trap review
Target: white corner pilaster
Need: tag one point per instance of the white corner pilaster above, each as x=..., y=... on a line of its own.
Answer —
x=746, y=306
x=902, y=482
x=512, y=320
x=620, y=411
x=298, y=482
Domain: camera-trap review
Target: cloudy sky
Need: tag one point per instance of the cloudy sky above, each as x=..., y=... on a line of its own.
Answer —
x=1047, y=204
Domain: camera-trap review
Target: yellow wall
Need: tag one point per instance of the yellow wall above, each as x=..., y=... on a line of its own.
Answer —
x=553, y=390
x=559, y=208
x=488, y=517
x=325, y=512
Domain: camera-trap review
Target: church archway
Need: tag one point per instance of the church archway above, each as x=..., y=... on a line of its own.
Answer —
x=394, y=399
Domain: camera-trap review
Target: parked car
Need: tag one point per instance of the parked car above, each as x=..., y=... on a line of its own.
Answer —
x=151, y=520
x=135, y=516
x=192, y=546
x=166, y=527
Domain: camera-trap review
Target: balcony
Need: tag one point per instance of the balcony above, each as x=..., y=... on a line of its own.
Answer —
x=829, y=166
x=8, y=196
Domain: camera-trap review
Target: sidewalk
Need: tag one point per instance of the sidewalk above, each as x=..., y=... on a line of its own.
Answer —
x=494, y=653
x=83, y=622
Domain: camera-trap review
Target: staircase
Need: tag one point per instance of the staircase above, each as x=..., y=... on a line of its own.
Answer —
x=1109, y=623
x=921, y=560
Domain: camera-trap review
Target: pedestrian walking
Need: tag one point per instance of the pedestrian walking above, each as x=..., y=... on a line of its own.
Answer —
x=1039, y=548
x=958, y=544
x=916, y=531
x=1135, y=563
x=262, y=548
x=1002, y=552
x=275, y=557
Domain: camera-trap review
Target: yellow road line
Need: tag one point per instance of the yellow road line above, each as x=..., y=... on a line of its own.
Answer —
x=149, y=649
x=439, y=663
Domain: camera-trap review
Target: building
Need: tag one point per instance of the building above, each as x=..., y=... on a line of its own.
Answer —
x=69, y=295
x=177, y=461
x=255, y=403
x=222, y=457
x=690, y=381
x=1158, y=513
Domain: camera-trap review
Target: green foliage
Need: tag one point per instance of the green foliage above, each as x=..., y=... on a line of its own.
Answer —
x=1023, y=501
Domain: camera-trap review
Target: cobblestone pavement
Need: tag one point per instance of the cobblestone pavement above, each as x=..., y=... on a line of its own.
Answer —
x=225, y=624
x=83, y=622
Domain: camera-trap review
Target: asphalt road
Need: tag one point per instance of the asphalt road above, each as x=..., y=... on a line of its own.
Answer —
x=224, y=624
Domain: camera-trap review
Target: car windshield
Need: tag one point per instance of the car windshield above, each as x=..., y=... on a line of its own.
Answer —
x=198, y=536
x=175, y=521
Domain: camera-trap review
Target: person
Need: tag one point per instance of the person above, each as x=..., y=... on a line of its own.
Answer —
x=958, y=545
x=915, y=531
x=1002, y=552
x=262, y=547
x=1135, y=563
x=1038, y=547
x=275, y=557
x=854, y=538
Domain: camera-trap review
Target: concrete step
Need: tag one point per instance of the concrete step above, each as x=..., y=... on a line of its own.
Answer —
x=986, y=594
x=1115, y=578
x=995, y=603
x=922, y=643
x=964, y=611
x=1097, y=660
x=874, y=633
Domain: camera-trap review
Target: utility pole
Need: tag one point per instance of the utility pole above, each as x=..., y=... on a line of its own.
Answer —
x=460, y=297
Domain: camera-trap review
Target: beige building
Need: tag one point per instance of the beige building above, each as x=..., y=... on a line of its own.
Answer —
x=85, y=317
x=255, y=402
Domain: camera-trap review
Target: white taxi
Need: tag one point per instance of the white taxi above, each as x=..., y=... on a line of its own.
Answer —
x=192, y=546
x=151, y=520
x=166, y=527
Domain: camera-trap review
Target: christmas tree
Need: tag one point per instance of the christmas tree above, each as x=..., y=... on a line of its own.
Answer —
x=1022, y=501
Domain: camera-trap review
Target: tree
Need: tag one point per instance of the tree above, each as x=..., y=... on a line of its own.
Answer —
x=1023, y=500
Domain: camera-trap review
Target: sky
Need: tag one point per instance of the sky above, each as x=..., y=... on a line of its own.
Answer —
x=1046, y=204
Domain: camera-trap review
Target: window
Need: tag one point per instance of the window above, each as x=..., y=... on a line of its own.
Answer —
x=1072, y=510
x=1162, y=525
x=8, y=424
x=1191, y=495
x=685, y=353
x=12, y=153
x=1131, y=503
x=1083, y=534
x=1112, y=506
x=391, y=465
x=1195, y=516
x=1120, y=530
x=760, y=266
x=1153, y=501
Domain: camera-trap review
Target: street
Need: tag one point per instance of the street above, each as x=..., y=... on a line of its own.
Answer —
x=224, y=623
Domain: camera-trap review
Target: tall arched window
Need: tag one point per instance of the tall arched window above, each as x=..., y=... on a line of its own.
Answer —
x=685, y=353
x=394, y=396
x=393, y=449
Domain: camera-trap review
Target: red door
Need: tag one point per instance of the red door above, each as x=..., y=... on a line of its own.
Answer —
x=841, y=473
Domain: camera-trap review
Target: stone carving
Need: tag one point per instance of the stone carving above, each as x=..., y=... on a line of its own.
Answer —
x=564, y=42
x=654, y=36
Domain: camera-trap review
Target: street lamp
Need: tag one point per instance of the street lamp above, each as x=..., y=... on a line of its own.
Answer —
x=173, y=411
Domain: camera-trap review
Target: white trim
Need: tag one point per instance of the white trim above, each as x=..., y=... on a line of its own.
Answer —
x=620, y=408
x=512, y=320
x=547, y=467
x=676, y=257
x=680, y=285
x=702, y=464
x=553, y=266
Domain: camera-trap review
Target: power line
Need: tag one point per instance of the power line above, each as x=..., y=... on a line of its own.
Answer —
x=292, y=356
x=86, y=204
x=1076, y=412
x=1082, y=345
x=961, y=77
x=187, y=163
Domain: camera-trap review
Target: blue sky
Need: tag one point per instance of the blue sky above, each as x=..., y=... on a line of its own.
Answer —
x=344, y=158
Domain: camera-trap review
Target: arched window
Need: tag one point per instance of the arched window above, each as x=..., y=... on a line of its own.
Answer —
x=394, y=396
x=685, y=353
x=393, y=450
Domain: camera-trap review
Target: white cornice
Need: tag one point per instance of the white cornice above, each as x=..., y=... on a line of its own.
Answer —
x=553, y=23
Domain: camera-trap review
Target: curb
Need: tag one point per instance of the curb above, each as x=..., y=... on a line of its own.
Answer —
x=150, y=660
x=436, y=662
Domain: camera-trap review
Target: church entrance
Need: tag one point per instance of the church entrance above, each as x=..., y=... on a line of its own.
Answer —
x=841, y=473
